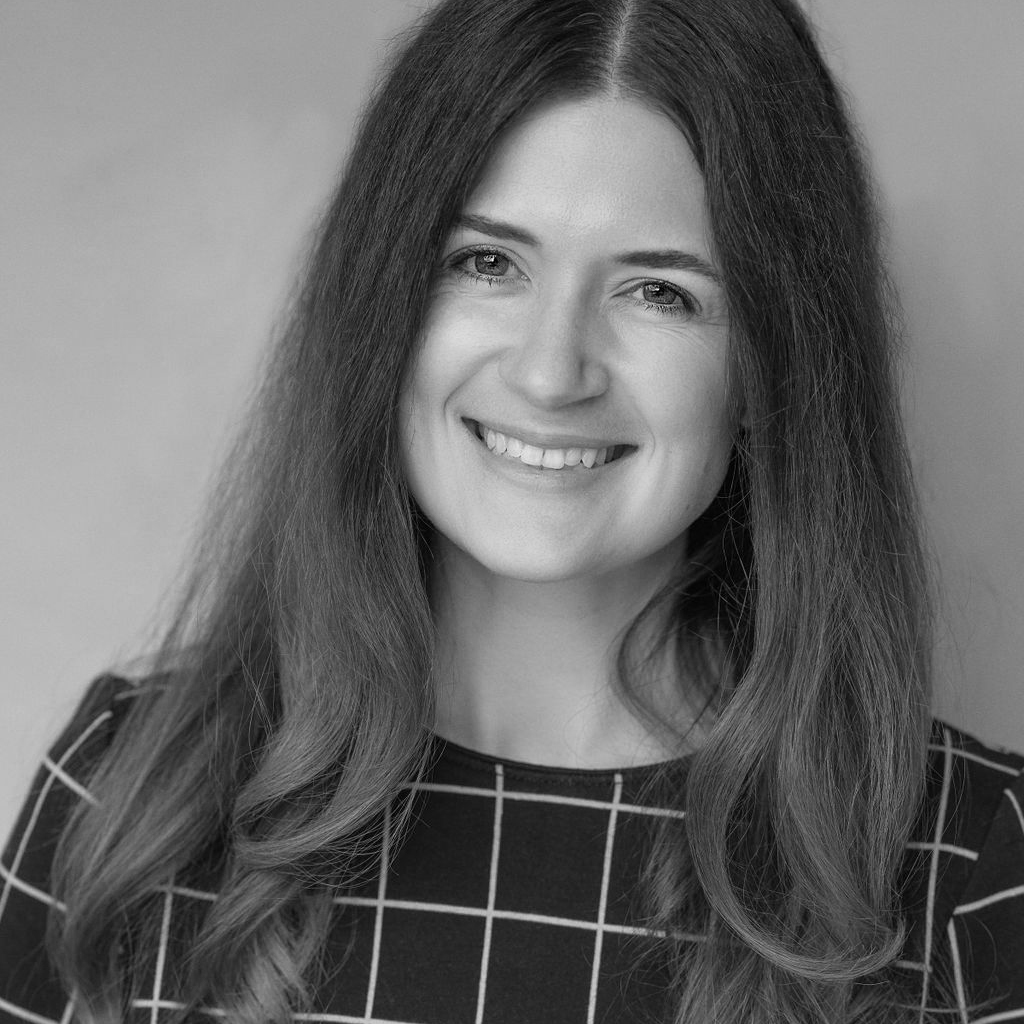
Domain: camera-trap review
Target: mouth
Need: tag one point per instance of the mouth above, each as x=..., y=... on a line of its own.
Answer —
x=576, y=457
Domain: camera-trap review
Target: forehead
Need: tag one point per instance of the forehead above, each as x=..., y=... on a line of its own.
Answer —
x=598, y=163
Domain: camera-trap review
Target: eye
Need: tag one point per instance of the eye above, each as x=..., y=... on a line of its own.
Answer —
x=666, y=299
x=487, y=265
x=490, y=264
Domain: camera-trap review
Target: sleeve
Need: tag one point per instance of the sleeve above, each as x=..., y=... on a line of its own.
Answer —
x=29, y=987
x=985, y=931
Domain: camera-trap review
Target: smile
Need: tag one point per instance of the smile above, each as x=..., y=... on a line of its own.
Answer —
x=510, y=447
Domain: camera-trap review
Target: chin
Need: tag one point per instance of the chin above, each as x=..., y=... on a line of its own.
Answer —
x=540, y=563
x=534, y=568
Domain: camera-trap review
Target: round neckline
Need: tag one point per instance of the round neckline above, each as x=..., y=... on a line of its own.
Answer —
x=479, y=759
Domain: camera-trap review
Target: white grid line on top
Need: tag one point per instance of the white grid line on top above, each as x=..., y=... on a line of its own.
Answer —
x=161, y=953
x=341, y=1018
x=958, y=971
x=997, y=1018
x=195, y=894
x=492, y=891
x=543, y=798
x=933, y=869
x=511, y=915
x=73, y=784
x=1009, y=794
x=971, y=756
x=378, y=917
x=959, y=851
x=171, y=1004
x=987, y=901
x=910, y=965
x=602, y=908
x=41, y=800
x=28, y=889
x=454, y=908
x=22, y=1014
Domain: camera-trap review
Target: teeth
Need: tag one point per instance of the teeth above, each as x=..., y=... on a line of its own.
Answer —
x=532, y=456
x=548, y=458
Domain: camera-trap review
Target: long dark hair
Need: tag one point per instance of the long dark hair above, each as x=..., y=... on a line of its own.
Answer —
x=293, y=693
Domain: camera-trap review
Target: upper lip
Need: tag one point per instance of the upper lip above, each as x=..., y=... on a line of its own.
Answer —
x=541, y=439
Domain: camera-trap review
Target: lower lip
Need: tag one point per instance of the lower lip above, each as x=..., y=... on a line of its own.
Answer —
x=572, y=476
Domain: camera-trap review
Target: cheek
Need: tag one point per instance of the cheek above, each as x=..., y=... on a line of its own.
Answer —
x=688, y=401
x=422, y=469
x=452, y=349
x=418, y=410
x=432, y=376
x=406, y=427
x=427, y=437
x=691, y=418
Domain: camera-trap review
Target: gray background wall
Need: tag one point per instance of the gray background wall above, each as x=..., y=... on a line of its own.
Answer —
x=160, y=167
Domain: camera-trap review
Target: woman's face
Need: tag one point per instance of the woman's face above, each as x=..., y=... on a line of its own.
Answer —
x=567, y=414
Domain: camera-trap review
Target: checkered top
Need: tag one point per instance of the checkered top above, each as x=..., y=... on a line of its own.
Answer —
x=513, y=898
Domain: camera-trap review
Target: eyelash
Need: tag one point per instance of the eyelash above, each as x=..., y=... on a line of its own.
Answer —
x=688, y=306
x=455, y=265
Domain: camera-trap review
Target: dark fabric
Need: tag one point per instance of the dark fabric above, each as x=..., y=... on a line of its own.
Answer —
x=514, y=897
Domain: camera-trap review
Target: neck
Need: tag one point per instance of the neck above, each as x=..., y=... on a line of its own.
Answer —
x=526, y=670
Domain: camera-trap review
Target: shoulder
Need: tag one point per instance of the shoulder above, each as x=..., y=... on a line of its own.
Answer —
x=968, y=857
x=63, y=777
x=27, y=981
x=92, y=728
x=971, y=786
x=975, y=794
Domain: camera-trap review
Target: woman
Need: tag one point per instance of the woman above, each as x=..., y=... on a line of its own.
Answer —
x=558, y=646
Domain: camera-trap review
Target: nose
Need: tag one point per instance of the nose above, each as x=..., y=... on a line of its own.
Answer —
x=556, y=358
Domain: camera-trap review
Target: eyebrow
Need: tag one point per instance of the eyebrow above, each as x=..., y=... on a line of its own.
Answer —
x=498, y=228
x=670, y=259
x=656, y=259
